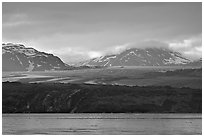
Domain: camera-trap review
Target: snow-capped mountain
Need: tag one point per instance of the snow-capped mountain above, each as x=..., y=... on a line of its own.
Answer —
x=17, y=57
x=196, y=63
x=142, y=57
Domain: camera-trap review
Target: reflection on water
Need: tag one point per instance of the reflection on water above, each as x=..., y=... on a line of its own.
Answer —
x=102, y=124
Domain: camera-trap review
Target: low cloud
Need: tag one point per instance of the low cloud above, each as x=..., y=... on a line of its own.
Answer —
x=149, y=44
x=190, y=47
x=79, y=31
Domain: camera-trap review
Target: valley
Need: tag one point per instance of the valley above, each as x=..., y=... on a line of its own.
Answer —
x=134, y=81
x=130, y=76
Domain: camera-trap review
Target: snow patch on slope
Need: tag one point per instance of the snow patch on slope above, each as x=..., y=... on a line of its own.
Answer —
x=31, y=66
x=19, y=60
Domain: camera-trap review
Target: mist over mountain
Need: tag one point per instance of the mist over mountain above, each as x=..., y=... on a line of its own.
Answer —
x=17, y=57
x=143, y=57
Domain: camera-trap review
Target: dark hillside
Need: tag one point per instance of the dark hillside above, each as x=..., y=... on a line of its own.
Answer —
x=82, y=98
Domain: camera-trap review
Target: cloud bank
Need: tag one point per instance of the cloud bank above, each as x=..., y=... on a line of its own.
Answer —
x=77, y=31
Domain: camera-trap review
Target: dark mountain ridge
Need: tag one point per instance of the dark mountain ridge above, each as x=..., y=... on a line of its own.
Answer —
x=17, y=57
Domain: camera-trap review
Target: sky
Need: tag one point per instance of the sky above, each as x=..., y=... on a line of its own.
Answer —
x=79, y=31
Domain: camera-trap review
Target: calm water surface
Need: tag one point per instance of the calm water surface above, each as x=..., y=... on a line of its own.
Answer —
x=102, y=124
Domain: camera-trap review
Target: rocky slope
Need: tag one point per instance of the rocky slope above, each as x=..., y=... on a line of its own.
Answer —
x=196, y=63
x=142, y=57
x=17, y=57
x=81, y=98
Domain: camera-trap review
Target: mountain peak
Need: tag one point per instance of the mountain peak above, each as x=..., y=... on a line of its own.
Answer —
x=17, y=57
x=142, y=57
x=10, y=47
x=12, y=44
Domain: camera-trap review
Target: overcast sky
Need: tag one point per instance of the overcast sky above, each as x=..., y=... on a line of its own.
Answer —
x=76, y=31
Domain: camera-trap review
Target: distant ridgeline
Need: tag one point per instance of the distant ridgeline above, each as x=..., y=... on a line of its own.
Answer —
x=84, y=98
x=17, y=57
x=144, y=57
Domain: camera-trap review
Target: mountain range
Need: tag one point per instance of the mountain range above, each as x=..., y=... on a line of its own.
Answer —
x=143, y=57
x=17, y=57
